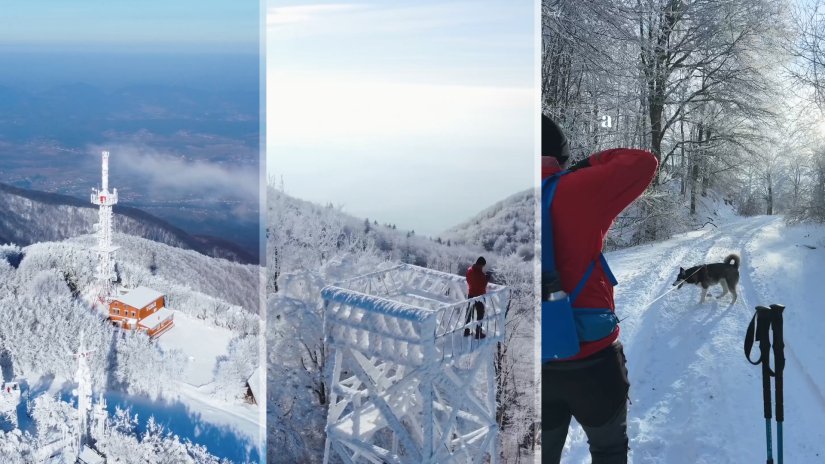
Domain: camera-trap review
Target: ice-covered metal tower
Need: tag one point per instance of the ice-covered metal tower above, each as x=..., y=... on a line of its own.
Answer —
x=105, y=250
x=83, y=377
x=407, y=385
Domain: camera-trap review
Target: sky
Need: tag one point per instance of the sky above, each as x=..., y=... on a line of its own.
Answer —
x=155, y=81
x=128, y=25
x=417, y=113
x=122, y=42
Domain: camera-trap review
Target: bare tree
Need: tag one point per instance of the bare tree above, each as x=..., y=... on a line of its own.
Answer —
x=807, y=46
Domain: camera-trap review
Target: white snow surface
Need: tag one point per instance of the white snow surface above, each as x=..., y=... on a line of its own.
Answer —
x=154, y=319
x=376, y=304
x=139, y=297
x=202, y=345
x=695, y=398
x=200, y=342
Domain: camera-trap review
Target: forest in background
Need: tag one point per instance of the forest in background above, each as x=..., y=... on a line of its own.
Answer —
x=726, y=94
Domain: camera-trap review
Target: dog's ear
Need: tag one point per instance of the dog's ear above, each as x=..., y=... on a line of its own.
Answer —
x=681, y=270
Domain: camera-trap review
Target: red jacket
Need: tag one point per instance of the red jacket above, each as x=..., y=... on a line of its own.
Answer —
x=476, y=281
x=587, y=202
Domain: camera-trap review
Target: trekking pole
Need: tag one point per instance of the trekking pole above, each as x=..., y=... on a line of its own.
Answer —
x=779, y=366
x=765, y=320
x=763, y=324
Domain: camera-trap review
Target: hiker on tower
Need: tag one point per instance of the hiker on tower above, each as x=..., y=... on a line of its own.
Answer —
x=476, y=286
x=585, y=378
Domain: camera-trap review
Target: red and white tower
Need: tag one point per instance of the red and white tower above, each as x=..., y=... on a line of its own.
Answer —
x=105, y=250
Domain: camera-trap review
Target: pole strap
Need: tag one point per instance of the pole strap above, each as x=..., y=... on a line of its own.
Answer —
x=753, y=334
x=750, y=337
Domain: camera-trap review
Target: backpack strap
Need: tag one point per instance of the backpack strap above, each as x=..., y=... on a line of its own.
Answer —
x=548, y=255
x=607, y=271
x=581, y=283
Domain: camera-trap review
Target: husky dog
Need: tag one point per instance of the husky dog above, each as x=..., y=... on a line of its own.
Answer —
x=725, y=274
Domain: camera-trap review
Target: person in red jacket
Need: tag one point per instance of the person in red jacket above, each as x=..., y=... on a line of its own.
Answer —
x=476, y=286
x=591, y=386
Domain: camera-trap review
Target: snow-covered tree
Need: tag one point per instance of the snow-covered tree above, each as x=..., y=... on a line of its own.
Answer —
x=233, y=369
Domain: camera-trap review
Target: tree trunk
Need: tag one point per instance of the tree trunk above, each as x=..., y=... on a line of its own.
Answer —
x=694, y=177
x=705, y=164
x=694, y=171
x=682, y=149
x=656, y=134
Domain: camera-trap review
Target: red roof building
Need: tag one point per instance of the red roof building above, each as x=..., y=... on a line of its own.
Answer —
x=142, y=309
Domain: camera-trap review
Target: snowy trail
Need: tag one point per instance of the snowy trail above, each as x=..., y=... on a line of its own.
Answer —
x=695, y=398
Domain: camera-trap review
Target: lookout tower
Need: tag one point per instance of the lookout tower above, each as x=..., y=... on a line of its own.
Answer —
x=83, y=377
x=105, y=250
x=407, y=385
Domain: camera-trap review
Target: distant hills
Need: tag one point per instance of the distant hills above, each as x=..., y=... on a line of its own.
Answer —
x=30, y=216
x=504, y=228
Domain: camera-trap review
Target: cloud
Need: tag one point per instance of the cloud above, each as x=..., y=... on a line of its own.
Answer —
x=303, y=109
x=176, y=175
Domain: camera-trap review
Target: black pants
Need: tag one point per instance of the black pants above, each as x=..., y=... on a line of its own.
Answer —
x=594, y=391
x=479, y=307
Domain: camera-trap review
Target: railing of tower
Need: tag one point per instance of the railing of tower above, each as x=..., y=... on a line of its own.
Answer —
x=456, y=326
x=415, y=306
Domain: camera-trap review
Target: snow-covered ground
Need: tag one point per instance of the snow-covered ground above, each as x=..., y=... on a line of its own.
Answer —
x=695, y=398
x=201, y=344
x=241, y=419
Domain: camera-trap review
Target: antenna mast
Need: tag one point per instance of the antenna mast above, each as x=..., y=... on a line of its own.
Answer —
x=105, y=250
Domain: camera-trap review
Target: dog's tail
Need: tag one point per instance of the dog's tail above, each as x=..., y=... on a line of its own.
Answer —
x=733, y=260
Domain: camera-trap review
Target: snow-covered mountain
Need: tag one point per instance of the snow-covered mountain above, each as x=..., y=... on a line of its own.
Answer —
x=195, y=388
x=301, y=235
x=309, y=246
x=504, y=228
x=29, y=216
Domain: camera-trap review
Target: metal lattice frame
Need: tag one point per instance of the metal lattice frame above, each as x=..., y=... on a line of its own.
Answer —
x=105, y=249
x=406, y=385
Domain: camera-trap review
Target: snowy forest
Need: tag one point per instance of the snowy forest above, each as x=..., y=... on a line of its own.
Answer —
x=727, y=94
x=43, y=315
x=310, y=246
x=504, y=228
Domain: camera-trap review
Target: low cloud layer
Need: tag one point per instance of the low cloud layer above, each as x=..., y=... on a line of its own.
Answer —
x=178, y=175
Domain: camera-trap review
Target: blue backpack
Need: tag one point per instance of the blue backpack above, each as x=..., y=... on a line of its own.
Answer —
x=563, y=327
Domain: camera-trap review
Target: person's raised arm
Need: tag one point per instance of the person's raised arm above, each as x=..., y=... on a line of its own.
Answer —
x=613, y=179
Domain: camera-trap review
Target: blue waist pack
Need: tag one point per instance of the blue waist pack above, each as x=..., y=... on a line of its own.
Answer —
x=564, y=327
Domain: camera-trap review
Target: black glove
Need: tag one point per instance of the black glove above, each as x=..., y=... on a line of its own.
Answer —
x=582, y=163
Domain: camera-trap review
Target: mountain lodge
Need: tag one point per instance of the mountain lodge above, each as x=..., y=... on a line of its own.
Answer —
x=141, y=309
